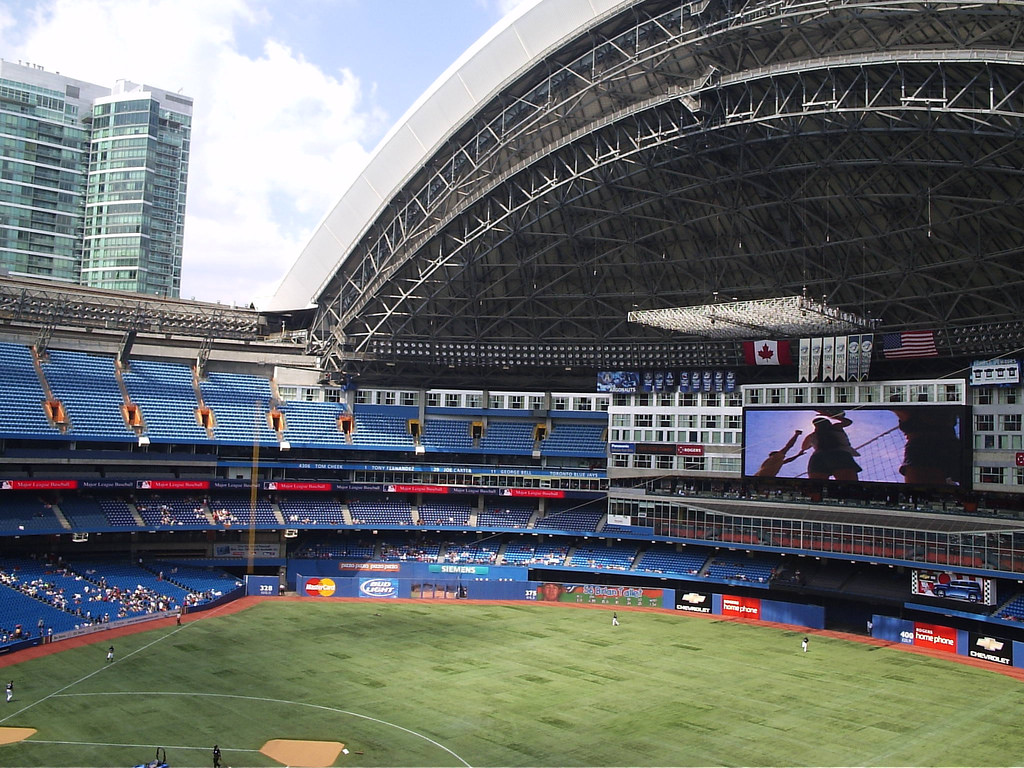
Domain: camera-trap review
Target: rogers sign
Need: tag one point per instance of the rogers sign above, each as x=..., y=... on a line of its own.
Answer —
x=747, y=607
x=932, y=636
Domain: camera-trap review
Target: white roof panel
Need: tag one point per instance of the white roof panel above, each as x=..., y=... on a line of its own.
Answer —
x=497, y=58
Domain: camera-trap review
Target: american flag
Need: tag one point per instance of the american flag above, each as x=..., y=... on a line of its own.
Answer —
x=896, y=346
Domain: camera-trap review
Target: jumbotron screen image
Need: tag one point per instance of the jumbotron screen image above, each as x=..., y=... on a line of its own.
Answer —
x=922, y=445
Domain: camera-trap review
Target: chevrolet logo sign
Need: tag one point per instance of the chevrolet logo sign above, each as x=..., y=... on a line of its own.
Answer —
x=990, y=644
x=695, y=599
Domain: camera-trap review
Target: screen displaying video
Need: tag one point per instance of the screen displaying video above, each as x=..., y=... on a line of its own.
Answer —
x=951, y=585
x=922, y=445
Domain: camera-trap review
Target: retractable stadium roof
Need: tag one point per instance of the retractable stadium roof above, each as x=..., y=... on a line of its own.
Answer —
x=588, y=159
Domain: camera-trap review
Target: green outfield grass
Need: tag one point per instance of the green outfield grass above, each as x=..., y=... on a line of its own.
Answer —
x=451, y=684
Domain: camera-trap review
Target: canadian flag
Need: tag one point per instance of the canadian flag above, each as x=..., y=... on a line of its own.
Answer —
x=767, y=353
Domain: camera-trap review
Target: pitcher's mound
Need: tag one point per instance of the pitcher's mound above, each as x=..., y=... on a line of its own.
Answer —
x=298, y=754
x=11, y=735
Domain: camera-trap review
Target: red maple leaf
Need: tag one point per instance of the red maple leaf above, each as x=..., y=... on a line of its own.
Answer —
x=765, y=352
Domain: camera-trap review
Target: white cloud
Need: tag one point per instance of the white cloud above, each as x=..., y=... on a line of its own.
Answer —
x=275, y=139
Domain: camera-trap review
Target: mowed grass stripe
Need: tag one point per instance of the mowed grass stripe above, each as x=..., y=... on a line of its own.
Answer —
x=512, y=686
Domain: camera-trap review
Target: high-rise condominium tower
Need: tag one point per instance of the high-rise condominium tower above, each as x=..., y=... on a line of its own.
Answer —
x=92, y=181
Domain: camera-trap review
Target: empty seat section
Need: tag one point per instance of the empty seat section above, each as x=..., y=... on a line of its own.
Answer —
x=506, y=514
x=527, y=555
x=446, y=435
x=240, y=405
x=445, y=514
x=509, y=437
x=313, y=425
x=688, y=562
x=87, y=387
x=381, y=430
x=618, y=557
x=22, y=396
x=583, y=518
x=164, y=393
x=24, y=512
x=231, y=511
x=311, y=510
x=575, y=440
x=476, y=553
x=757, y=569
x=380, y=510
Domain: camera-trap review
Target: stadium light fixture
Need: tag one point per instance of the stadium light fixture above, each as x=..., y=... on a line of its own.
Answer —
x=783, y=317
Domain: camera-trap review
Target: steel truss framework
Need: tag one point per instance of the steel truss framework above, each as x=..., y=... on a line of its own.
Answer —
x=867, y=153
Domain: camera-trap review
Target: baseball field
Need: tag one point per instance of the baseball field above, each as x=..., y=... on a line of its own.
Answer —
x=355, y=683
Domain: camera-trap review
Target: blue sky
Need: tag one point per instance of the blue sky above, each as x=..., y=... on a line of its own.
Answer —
x=290, y=99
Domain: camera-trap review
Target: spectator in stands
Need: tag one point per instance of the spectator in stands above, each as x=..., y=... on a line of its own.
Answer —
x=776, y=459
x=833, y=453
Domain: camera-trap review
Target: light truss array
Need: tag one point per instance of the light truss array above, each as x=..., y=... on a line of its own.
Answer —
x=507, y=355
x=85, y=307
x=783, y=317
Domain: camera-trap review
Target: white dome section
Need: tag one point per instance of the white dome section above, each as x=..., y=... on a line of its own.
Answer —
x=513, y=44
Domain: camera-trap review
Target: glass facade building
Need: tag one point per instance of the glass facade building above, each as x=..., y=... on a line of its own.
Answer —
x=92, y=181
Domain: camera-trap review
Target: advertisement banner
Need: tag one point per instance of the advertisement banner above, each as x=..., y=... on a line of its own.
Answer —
x=315, y=586
x=376, y=567
x=472, y=570
x=38, y=485
x=417, y=489
x=269, y=549
x=599, y=594
x=934, y=636
x=952, y=585
x=745, y=607
x=693, y=602
x=381, y=588
x=173, y=485
x=263, y=586
x=546, y=493
x=280, y=485
x=988, y=648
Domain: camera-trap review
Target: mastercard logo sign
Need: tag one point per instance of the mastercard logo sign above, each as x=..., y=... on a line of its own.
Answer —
x=320, y=587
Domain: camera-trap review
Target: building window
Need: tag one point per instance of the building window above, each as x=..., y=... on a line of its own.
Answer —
x=642, y=461
x=516, y=402
x=1011, y=422
x=643, y=420
x=984, y=422
x=560, y=403
x=984, y=396
x=991, y=475
x=666, y=462
x=452, y=400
